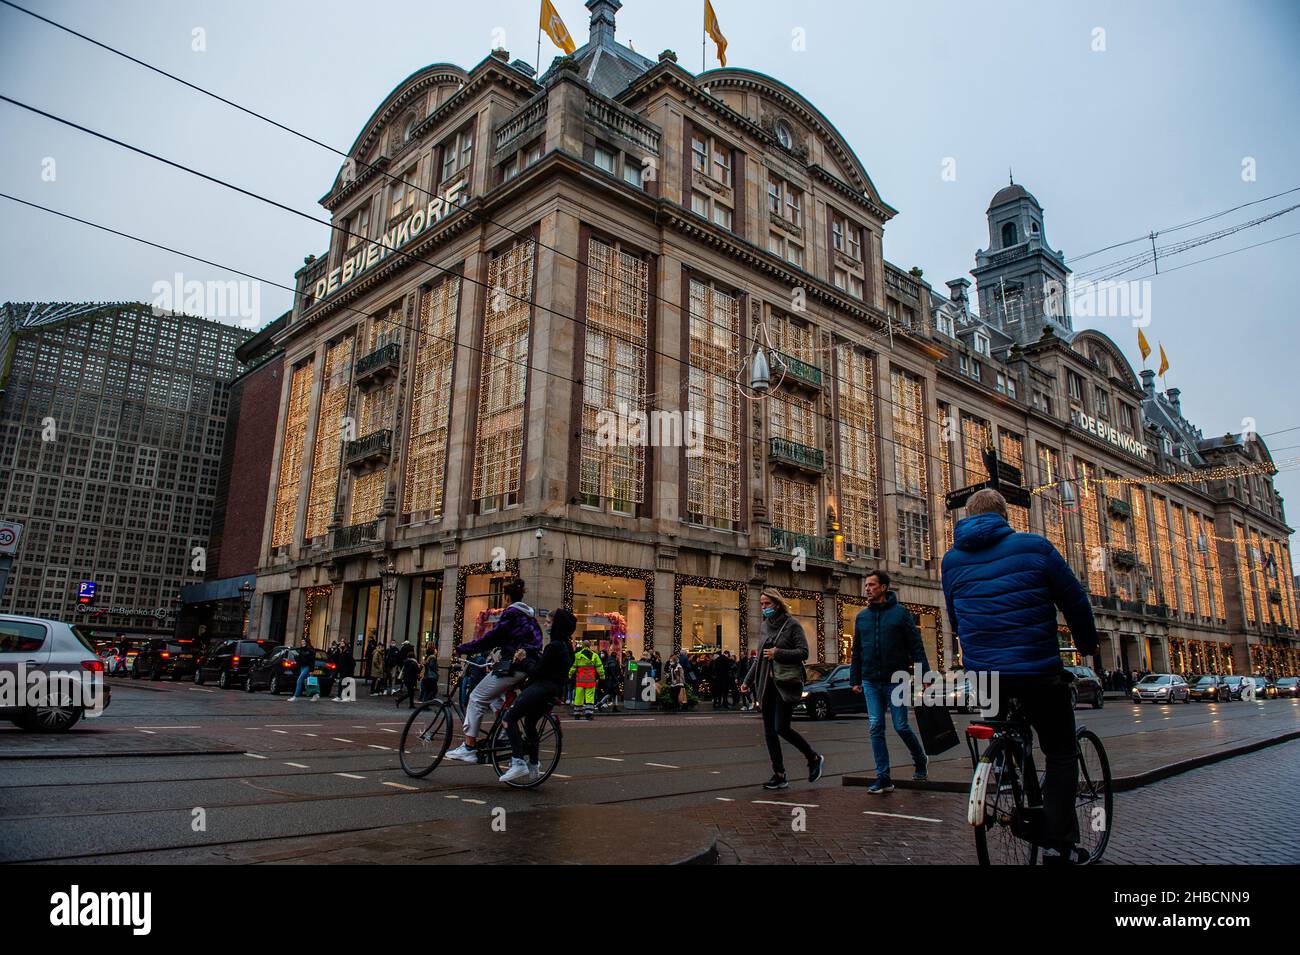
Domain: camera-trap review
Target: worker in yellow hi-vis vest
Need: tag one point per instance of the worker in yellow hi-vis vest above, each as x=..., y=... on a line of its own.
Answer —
x=587, y=670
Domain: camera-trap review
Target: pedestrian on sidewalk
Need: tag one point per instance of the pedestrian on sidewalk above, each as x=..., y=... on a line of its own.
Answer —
x=675, y=679
x=613, y=680
x=306, y=660
x=429, y=681
x=777, y=678
x=410, y=674
x=886, y=642
x=344, y=667
x=376, y=665
x=721, y=679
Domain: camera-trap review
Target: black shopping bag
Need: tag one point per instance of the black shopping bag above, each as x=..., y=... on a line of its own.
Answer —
x=938, y=735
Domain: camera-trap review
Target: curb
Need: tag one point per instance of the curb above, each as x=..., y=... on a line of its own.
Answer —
x=1119, y=783
x=166, y=752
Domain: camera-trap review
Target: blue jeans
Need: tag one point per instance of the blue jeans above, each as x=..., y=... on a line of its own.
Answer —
x=303, y=674
x=878, y=698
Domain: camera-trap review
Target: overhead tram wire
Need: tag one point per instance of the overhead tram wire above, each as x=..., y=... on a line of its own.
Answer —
x=609, y=276
x=218, y=181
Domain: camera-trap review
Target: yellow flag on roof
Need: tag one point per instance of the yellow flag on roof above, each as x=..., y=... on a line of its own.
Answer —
x=1143, y=346
x=714, y=31
x=1164, y=361
x=554, y=27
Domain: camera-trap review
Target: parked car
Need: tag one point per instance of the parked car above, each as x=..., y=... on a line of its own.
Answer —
x=1086, y=688
x=1265, y=689
x=164, y=656
x=230, y=663
x=831, y=696
x=1288, y=686
x=1210, y=687
x=279, y=672
x=1162, y=688
x=1236, y=685
x=52, y=647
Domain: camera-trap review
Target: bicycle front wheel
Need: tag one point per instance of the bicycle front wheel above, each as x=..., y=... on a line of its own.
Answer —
x=1095, y=798
x=425, y=739
x=998, y=808
x=549, y=744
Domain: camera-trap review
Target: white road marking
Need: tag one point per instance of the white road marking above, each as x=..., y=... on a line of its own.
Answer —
x=477, y=802
x=358, y=727
x=255, y=756
x=723, y=799
x=149, y=732
x=715, y=772
x=308, y=734
x=292, y=726
x=450, y=796
x=387, y=730
x=298, y=765
x=899, y=815
x=663, y=766
x=560, y=776
x=340, y=739
x=169, y=727
x=610, y=759
x=199, y=689
x=402, y=786
x=403, y=723
x=376, y=746
x=349, y=775
x=638, y=719
x=800, y=805
x=281, y=732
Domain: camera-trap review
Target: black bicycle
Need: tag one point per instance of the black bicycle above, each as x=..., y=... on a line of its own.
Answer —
x=427, y=736
x=1006, y=805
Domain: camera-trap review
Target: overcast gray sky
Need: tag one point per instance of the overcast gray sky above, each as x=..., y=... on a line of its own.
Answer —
x=1147, y=133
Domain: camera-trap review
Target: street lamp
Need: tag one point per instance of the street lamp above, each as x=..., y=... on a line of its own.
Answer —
x=387, y=584
x=246, y=595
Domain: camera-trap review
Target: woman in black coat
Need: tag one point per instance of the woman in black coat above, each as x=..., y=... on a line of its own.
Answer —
x=776, y=677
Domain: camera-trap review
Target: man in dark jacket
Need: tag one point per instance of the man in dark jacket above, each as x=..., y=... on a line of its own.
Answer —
x=516, y=630
x=885, y=644
x=721, y=679
x=1003, y=590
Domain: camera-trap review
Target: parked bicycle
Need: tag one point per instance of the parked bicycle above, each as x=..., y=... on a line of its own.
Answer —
x=427, y=736
x=1005, y=807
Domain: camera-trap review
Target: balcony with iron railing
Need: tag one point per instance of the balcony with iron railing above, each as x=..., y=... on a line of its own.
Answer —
x=817, y=548
x=379, y=364
x=356, y=535
x=623, y=122
x=1119, y=508
x=374, y=448
x=792, y=454
x=1124, y=558
x=522, y=123
x=797, y=371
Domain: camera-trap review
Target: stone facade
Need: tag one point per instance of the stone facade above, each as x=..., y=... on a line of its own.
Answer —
x=517, y=259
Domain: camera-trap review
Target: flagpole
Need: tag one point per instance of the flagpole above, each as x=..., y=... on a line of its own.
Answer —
x=538, y=70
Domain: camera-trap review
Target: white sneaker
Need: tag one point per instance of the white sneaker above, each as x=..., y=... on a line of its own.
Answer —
x=338, y=699
x=292, y=698
x=313, y=698
x=463, y=754
x=534, y=772
x=517, y=772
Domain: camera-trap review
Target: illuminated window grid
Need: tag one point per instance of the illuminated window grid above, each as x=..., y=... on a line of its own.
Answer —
x=614, y=380
x=499, y=445
x=1288, y=582
x=794, y=419
x=431, y=394
x=1049, y=472
x=856, y=400
x=1261, y=582
x=329, y=437
x=976, y=436
x=1165, y=550
x=1280, y=615
x=1142, y=537
x=1243, y=574
x=291, y=454
x=945, y=478
x=794, y=506
x=1011, y=449
x=911, y=479
x=368, y=496
x=1092, y=543
x=377, y=407
x=713, y=477
x=1212, y=564
x=1184, y=548
x=797, y=341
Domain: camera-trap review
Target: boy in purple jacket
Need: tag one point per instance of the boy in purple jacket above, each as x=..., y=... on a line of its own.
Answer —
x=516, y=630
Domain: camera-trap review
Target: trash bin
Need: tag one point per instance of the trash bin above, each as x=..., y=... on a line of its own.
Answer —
x=639, y=686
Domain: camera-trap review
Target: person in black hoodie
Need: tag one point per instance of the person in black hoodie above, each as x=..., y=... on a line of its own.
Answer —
x=547, y=678
x=344, y=668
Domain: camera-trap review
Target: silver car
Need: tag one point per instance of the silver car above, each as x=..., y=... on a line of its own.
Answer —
x=57, y=659
x=1162, y=688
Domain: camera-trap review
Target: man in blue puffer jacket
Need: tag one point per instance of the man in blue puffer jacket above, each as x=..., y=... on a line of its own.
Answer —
x=1003, y=589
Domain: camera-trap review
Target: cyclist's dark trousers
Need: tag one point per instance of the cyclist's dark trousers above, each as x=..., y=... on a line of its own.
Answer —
x=530, y=705
x=1046, y=704
x=776, y=727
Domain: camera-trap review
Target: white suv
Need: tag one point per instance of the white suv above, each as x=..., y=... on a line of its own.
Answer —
x=50, y=675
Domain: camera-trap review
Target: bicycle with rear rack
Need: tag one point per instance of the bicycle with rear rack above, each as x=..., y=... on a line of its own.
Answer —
x=1005, y=806
x=427, y=736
